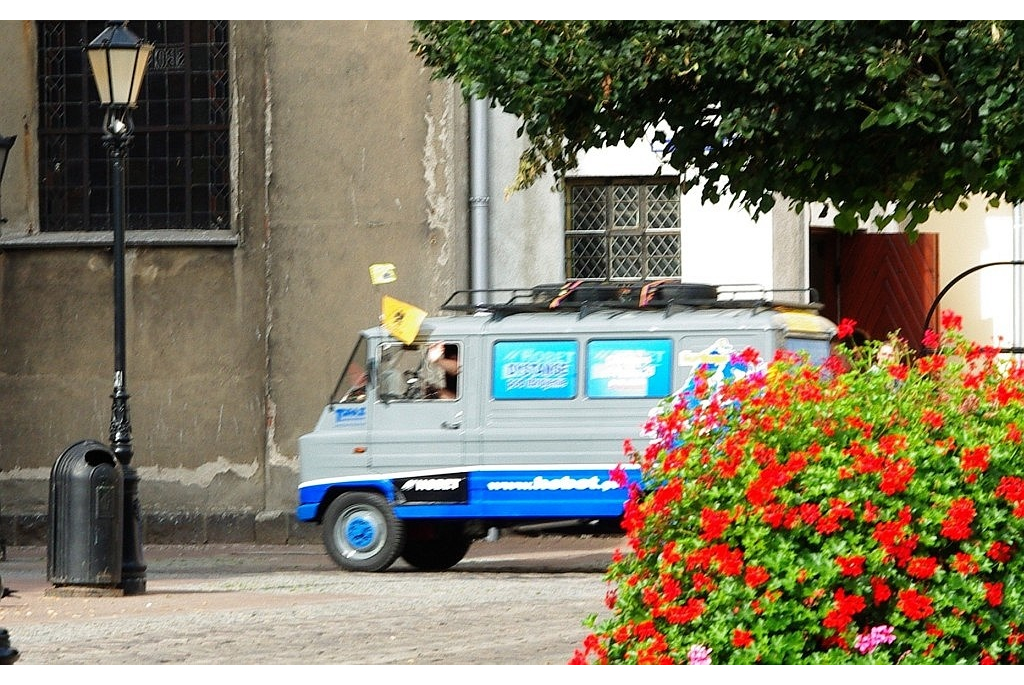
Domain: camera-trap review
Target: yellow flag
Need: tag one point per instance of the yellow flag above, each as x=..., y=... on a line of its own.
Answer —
x=401, y=319
x=382, y=273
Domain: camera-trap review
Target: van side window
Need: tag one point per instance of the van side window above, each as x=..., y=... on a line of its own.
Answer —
x=535, y=370
x=629, y=368
x=419, y=371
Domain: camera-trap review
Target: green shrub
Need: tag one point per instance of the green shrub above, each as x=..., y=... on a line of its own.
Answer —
x=867, y=511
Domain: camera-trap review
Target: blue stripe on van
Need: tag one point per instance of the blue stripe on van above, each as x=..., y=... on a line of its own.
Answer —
x=543, y=491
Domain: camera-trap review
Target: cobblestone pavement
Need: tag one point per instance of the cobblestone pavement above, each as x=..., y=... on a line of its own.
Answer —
x=519, y=600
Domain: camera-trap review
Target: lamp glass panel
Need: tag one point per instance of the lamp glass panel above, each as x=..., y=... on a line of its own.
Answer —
x=98, y=62
x=123, y=77
x=141, y=62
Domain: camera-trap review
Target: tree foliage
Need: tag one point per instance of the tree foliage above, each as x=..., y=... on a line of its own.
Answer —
x=907, y=117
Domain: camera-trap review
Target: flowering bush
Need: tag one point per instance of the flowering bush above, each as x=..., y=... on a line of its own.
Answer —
x=867, y=511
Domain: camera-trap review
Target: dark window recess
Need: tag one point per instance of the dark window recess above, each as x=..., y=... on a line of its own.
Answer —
x=622, y=229
x=177, y=166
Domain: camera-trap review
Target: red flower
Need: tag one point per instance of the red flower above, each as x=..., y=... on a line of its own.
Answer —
x=994, y=593
x=890, y=535
x=999, y=551
x=957, y=524
x=880, y=591
x=651, y=598
x=756, y=575
x=896, y=477
x=750, y=355
x=931, y=339
x=730, y=562
x=774, y=514
x=810, y=512
x=922, y=567
x=951, y=320
x=914, y=604
x=898, y=371
x=835, y=365
x=645, y=630
x=728, y=466
x=839, y=510
x=1013, y=434
x=851, y=566
x=964, y=563
x=845, y=328
x=688, y=612
x=842, y=613
x=930, y=364
x=669, y=553
x=975, y=458
x=932, y=418
x=668, y=494
x=713, y=523
x=702, y=581
x=742, y=638
x=670, y=588
x=1011, y=488
x=891, y=445
x=762, y=489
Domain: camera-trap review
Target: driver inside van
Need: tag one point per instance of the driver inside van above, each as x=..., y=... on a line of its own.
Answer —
x=445, y=357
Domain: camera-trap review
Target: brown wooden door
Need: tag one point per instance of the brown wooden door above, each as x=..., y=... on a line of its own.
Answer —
x=881, y=280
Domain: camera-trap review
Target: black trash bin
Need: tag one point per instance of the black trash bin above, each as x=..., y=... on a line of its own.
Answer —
x=86, y=517
x=8, y=654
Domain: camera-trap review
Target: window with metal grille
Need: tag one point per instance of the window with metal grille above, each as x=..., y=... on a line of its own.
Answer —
x=622, y=229
x=177, y=168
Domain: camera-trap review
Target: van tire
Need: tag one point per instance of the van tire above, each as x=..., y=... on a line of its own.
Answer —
x=435, y=546
x=361, y=533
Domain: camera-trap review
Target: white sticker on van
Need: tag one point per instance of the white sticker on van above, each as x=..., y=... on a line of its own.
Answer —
x=563, y=483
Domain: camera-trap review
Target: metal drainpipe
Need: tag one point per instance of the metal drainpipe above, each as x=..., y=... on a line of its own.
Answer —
x=479, y=217
x=479, y=200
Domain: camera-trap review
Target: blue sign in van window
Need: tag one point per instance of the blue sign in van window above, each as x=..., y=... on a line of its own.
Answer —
x=629, y=368
x=535, y=370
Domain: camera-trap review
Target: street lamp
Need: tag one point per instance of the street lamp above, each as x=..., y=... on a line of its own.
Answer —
x=8, y=655
x=118, y=59
x=6, y=143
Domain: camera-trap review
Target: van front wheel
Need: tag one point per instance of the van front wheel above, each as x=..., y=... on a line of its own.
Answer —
x=435, y=546
x=361, y=533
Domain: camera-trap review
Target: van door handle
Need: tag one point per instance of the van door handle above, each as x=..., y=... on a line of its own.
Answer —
x=454, y=424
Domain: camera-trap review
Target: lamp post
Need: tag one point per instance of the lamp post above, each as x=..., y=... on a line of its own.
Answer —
x=118, y=59
x=6, y=143
x=8, y=655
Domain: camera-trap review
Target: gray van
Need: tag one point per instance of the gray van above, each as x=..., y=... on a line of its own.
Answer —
x=513, y=410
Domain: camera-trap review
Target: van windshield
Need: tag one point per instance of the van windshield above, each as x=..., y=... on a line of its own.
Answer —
x=351, y=387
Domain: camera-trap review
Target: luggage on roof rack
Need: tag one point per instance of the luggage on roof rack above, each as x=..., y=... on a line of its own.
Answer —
x=585, y=295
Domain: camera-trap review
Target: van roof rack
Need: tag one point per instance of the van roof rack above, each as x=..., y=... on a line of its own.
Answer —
x=587, y=296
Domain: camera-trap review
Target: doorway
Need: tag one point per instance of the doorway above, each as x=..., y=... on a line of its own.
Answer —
x=880, y=280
